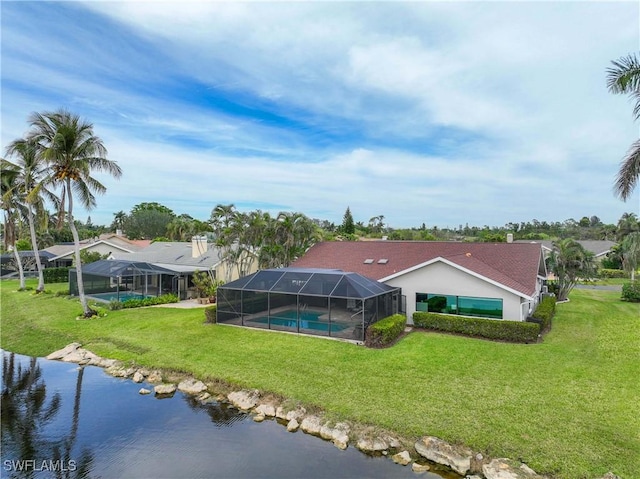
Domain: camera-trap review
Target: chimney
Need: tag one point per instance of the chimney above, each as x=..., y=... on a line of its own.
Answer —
x=509, y=237
x=199, y=246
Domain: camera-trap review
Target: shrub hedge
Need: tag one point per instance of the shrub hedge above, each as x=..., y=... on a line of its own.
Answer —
x=544, y=313
x=385, y=331
x=631, y=291
x=513, y=331
x=612, y=273
x=210, y=313
x=56, y=275
x=139, y=303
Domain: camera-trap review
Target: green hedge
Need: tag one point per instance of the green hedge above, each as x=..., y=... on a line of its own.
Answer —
x=210, y=313
x=612, y=273
x=631, y=291
x=139, y=303
x=385, y=331
x=544, y=313
x=56, y=275
x=513, y=331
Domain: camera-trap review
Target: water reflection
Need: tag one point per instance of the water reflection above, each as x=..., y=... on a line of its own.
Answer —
x=71, y=422
x=222, y=415
x=25, y=412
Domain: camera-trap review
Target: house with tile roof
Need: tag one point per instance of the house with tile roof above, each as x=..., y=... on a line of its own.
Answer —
x=599, y=248
x=61, y=255
x=493, y=280
x=184, y=259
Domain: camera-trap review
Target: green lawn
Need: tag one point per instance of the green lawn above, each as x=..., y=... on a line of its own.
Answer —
x=568, y=407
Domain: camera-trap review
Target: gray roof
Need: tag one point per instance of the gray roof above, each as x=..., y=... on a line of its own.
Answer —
x=62, y=250
x=173, y=255
x=113, y=268
x=597, y=247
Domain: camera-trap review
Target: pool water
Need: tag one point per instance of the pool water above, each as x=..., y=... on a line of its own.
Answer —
x=308, y=320
x=112, y=296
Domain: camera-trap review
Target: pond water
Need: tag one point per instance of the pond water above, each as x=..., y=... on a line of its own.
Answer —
x=59, y=420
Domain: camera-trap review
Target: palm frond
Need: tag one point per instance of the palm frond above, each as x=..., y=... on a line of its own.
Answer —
x=629, y=172
x=624, y=76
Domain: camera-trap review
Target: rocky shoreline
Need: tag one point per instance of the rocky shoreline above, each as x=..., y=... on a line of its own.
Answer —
x=422, y=455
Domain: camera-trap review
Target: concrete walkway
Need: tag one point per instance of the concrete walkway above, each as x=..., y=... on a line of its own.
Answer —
x=613, y=287
x=186, y=304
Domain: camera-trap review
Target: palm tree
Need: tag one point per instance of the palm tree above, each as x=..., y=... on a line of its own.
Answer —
x=627, y=224
x=624, y=78
x=570, y=262
x=73, y=152
x=118, y=220
x=32, y=172
x=11, y=203
x=631, y=253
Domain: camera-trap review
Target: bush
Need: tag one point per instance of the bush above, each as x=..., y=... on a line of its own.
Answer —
x=63, y=292
x=142, y=302
x=631, y=291
x=115, y=305
x=55, y=275
x=385, y=331
x=612, y=273
x=210, y=313
x=513, y=331
x=544, y=313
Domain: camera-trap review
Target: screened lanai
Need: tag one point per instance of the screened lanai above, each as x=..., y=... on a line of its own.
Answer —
x=312, y=301
x=120, y=280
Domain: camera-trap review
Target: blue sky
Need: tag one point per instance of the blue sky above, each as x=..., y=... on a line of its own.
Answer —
x=442, y=113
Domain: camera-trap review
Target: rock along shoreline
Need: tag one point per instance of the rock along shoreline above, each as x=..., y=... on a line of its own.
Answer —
x=426, y=453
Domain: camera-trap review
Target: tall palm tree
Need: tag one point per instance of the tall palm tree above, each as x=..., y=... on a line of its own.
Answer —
x=11, y=203
x=73, y=152
x=631, y=253
x=30, y=181
x=624, y=78
x=570, y=262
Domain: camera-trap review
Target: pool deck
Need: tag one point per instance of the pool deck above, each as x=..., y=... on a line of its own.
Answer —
x=186, y=304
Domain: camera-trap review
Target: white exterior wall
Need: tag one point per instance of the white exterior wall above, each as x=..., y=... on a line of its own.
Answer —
x=441, y=278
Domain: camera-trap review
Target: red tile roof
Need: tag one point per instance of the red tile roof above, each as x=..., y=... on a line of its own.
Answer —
x=513, y=265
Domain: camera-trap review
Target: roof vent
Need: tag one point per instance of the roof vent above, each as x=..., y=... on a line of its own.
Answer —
x=468, y=255
x=383, y=261
x=368, y=261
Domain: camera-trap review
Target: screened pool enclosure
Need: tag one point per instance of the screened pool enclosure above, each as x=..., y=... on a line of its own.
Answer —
x=312, y=301
x=119, y=280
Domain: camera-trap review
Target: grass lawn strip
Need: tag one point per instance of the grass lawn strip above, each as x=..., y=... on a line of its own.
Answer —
x=567, y=407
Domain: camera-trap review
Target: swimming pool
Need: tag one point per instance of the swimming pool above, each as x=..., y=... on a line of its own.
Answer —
x=308, y=320
x=113, y=296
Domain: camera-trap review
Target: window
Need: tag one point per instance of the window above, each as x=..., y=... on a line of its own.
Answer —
x=463, y=305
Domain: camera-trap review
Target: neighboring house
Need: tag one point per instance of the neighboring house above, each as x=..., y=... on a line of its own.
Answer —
x=9, y=268
x=494, y=280
x=108, y=244
x=599, y=248
x=184, y=259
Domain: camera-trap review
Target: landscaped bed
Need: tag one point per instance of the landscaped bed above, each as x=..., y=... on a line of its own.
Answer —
x=567, y=406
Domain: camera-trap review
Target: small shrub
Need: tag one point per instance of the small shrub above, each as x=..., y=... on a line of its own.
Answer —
x=631, y=291
x=56, y=275
x=612, y=273
x=210, y=313
x=513, y=331
x=385, y=331
x=544, y=313
x=115, y=305
x=142, y=302
x=63, y=292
